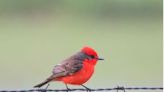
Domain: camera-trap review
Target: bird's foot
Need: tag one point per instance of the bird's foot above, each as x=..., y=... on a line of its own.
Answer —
x=88, y=89
x=68, y=89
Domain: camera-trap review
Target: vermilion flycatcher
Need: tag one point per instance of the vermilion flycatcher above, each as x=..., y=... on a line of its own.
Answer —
x=75, y=70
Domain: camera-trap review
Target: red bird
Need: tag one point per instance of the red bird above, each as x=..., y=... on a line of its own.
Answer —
x=75, y=70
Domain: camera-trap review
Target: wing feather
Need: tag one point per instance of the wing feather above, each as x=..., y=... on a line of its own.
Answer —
x=70, y=65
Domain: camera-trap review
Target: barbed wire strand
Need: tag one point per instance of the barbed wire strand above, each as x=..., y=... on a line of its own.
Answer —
x=99, y=89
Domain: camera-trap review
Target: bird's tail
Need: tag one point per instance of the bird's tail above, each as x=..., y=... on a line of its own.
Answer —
x=41, y=84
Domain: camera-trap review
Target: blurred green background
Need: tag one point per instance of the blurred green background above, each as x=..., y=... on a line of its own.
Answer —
x=37, y=34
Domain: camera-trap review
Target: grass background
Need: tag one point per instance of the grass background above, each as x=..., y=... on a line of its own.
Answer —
x=37, y=34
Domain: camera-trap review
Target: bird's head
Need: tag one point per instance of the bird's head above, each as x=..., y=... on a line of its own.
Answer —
x=92, y=55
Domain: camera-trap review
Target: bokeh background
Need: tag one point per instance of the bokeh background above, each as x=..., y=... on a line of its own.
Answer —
x=37, y=34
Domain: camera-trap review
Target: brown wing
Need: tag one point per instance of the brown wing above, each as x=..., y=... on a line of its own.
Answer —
x=69, y=66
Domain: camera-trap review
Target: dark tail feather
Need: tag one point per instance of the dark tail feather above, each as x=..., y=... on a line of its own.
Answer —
x=41, y=84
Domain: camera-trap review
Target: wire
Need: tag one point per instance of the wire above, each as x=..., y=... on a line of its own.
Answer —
x=99, y=89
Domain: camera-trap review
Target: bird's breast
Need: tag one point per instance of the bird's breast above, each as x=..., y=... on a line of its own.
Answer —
x=81, y=76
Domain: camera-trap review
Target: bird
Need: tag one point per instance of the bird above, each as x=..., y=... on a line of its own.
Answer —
x=75, y=70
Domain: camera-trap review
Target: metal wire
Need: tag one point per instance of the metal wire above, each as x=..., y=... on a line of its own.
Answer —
x=99, y=89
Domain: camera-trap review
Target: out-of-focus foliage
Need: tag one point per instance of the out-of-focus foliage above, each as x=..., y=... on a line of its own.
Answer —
x=89, y=7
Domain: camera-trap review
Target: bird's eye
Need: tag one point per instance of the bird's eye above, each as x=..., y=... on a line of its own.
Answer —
x=92, y=56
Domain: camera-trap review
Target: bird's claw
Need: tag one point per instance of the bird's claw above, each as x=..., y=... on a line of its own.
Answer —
x=68, y=89
x=88, y=89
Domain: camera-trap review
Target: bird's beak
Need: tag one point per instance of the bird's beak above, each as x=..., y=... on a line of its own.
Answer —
x=100, y=59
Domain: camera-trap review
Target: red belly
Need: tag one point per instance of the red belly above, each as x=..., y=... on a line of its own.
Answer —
x=79, y=77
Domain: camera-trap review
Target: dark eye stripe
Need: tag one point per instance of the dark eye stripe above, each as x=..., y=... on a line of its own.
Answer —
x=92, y=56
